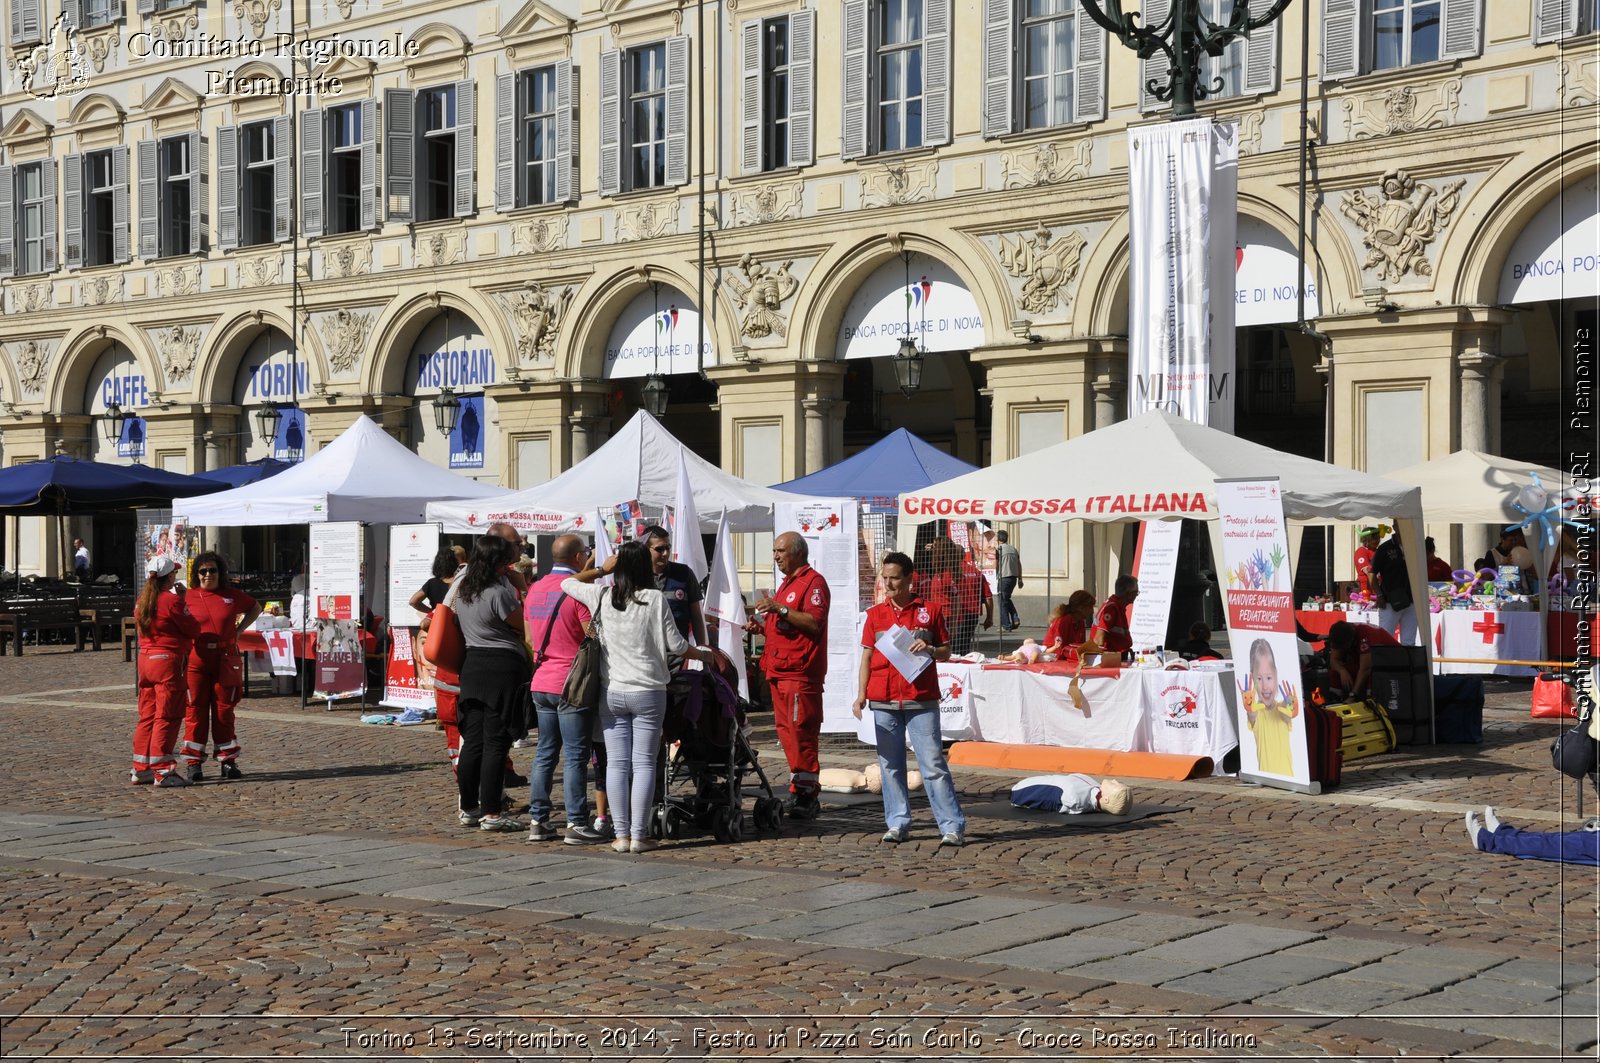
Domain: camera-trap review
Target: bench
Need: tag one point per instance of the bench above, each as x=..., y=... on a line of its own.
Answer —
x=41, y=616
x=130, y=638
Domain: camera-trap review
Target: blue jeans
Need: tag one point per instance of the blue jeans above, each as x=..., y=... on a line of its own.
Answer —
x=1566, y=847
x=632, y=725
x=1008, y=611
x=918, y=720
x=565, y=729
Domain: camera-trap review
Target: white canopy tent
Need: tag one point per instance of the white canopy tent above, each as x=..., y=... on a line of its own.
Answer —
x=364, y=475
x=639, y=463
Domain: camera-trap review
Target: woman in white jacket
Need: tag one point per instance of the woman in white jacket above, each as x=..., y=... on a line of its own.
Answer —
x=637, y=638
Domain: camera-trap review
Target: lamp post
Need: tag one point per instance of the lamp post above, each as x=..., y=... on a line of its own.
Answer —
x=113, y=422
x=268, y=418
x=446, y=408
x=1185, y=36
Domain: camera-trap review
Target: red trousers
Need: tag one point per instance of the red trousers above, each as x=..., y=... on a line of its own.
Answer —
x=161, y=700
x=216, y=682
x=445, y=703
x=797, y=710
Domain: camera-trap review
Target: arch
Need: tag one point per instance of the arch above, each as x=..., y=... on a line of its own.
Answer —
x=397, y=328
x=435, y=38
x=226, y=347
x=75, y=361
x=1509, y=200
x=95, y=107
x=581, y=349
x=845, y=267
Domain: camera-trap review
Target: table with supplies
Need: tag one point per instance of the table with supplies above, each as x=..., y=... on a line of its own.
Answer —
x=1487, y=634
x=1128, y=709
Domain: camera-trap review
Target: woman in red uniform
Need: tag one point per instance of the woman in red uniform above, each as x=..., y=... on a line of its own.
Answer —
x=216, y=671
x=166, y=628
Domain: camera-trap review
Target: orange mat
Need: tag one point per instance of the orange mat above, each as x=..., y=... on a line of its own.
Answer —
x=1062, y=760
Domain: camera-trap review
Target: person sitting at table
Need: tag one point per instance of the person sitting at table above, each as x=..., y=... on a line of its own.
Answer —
x=1350, y=657
x=1439, y=570
x=1111, y=623
x=1198, y=648
x=1069, y=624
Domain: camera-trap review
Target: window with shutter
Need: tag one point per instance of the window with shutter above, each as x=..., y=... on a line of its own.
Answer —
x=900, y=61
x=1089, y=93
x=1554, y=20
x=802, y=87
x=367, y=167
x=1463, y=29
x=1049, y=33
x=437, y=158
x=228, y=187
x=1154, y=70
x=121, y=242
x=936, y=72
x=1341, y=39
x=610, y=123
x=537, y=160
x=645, y=111
x=752, y=117
x=72, y=12
x=72, y=175
x=149, y=200
x=399, y=152
x=47, y=181
x=999, y=46
x=282, y=179
x=26, y=22
x=466, y=149
x=199, y=175
x=1261, y=52
x=505, y=142
x=8, y=219
x=566, y=155
x=257, y=161
x=853, y=80
x=315, y=184
x=677, y=111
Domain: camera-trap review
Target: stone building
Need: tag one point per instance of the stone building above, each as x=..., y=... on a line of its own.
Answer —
x=343, y=207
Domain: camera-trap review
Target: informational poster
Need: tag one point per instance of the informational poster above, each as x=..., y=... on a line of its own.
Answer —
x=466, y=438
x=335, y=570
x=1259, y=590
x=1155, y=564
x=412, y=548
x=130, y=442
x=289, y=444
x=341, y=665
x=829, y=529
x=161, y=536
x=403, y=685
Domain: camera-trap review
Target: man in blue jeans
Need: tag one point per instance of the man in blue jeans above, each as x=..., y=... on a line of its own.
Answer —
x=1008, y=576
x=554, y=630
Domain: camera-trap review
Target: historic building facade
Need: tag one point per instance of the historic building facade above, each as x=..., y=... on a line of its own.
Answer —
x=342, y=207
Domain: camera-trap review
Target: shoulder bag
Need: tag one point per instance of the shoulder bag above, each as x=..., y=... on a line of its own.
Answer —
x=446, y=646
x=583, y=681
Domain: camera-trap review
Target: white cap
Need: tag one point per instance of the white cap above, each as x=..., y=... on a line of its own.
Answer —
x=160, y=567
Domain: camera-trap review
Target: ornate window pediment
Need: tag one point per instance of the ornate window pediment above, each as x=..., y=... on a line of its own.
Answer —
x=97, y=119
x=354, y=73
x=26, y=132
x=535, y=21
x=173, y=105
x=257, y=104
x=642, y=19
x=441, y=53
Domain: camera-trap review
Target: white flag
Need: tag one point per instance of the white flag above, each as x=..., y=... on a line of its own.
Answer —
x=724, y=603
x=602, y=545
x=687, y=549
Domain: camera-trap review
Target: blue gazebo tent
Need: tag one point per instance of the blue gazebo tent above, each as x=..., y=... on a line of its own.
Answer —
x=877, y=476
x=67, y=485
x=247, y=473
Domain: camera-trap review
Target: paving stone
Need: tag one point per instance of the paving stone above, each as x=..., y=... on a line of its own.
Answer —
x=599, y=900
x=1546, y=972
x=1068, y=953
x=656, y=910
x=1227, y=944
x=1340, y=995
x=809, y=926
x=1155, y=929
x=992, y=934
x=892, y=930
x=768, y=886
x=379, y=884
x=1348, y=949
x=1258, y=976
x=284, y=866
x=831, y=895
x=464, y=889
x=532, y=893
x=728, y=915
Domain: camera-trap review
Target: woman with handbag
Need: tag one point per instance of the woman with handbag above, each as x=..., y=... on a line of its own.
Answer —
x=494, y=681
x=637, y=637
x=216, y=671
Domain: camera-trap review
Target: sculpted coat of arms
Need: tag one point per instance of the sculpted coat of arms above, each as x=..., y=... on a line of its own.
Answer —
x=1401, y=223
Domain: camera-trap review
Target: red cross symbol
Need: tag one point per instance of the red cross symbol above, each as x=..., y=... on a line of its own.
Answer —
x=1489, y=629
x=277, y=641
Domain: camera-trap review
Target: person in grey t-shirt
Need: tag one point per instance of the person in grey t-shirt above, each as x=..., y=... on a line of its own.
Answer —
x=1008, y=576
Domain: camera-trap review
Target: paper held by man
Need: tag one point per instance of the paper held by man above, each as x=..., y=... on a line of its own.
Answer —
x=895, y=645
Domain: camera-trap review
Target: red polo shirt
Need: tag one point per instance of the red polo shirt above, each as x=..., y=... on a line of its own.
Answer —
x=1113, y=621
x=1364, y=569
x=218, y=613
x=789, y=652
x=884, y=681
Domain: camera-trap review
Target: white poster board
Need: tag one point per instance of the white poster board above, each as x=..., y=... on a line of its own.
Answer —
x=1155, y=565
x=334, y=574
x=412, y=548
x=1261, y=630
x=829, y=529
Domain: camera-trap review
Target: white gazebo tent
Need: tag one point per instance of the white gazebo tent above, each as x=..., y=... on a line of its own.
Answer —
x=639, y=463
x=1159, y=466
x=364, y=475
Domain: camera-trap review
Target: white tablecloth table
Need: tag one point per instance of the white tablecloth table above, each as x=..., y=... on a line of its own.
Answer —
x=1493, y=635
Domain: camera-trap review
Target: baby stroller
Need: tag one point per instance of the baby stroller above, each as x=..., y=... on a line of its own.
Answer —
x=701, y=781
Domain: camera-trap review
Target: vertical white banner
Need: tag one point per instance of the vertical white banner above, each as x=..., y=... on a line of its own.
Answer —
x=1223, y=211
x=829, y=529
x=1170, y=170
x=1155, y=564
x=1266, y=659
x=412, y=548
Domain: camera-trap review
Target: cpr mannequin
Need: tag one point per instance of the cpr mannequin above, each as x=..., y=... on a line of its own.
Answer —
x=1072, y=794
x=1027, y=653
x=850, y=781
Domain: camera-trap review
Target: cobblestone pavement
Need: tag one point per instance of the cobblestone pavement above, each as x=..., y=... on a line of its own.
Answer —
x=327, y=905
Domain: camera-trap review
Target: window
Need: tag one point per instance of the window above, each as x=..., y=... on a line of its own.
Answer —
x=95, y=196
x=92, y=13
x=533, y=137
x=338, y=168
x=1047, y=51
x=173, y=194
x=777, y=71
x=1043, y=66
x=1227, y=68
x=644, y=117
x=896, y=86
x=1248, y=66
x=257, y=179
x=32, y=195
x=1556, y=20
x=1366, y=36
x=429, y=149
x=537, y=178
x=344, y=169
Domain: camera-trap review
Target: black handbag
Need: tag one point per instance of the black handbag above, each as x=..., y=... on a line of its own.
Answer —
x=583, y=681
x=1574, y=753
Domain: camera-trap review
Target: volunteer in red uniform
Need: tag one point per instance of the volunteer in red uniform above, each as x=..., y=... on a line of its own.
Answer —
x=795, y=623
x=166, y=628
x=216, y=671
x=1111, y=623
x=1364, y=552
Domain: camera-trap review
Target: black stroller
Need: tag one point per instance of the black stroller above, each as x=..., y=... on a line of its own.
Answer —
x=701, y=779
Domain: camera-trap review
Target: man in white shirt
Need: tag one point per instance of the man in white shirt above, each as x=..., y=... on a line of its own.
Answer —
x=80, y=561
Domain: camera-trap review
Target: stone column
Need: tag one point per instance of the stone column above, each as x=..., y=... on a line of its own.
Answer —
x=819, y=414
x=1480, y=383
x=213, y=451
x=583, y=427
x=1110, y=384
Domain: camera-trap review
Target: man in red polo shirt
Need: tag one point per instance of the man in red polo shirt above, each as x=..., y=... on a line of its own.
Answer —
x=1111, y=622
x=795, y=658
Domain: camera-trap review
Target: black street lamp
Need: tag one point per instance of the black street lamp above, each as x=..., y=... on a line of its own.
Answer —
x=1185, y=35
x=112, y=422
x=446, y=408
x=655, y=396
x=268, y=418
x=908, y=366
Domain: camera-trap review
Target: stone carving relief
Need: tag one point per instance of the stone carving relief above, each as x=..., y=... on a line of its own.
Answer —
x=760, y=296
x=770, y=202
x=179, y=348
x=350, y=260
x=30, y=298
x=647, y=221
x=344, y=334
x=1046, y=164
x=100, y=44
x=176, y=26
x=441, y=248
x=179, y=280
x=1249, y=130
x=1401, y=222
x=1044, y=264
x=1402, y=109
x=98, y=291
x=898, y=183
x=538, y=236
x=32, y=361
x=537, y=312
x=345, y=7
x=1580, y=79
x=262, y=271
x=256, y=13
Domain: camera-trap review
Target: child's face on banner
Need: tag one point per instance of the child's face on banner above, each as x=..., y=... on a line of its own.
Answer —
x=1264, y=677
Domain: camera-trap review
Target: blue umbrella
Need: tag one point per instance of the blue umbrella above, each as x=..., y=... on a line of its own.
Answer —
x=247, y=473
x=62, y=484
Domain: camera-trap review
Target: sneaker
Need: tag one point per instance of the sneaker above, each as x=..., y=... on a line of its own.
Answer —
x=512, y=779
x=620, y=846
x=804, y=806
x=602, y=827
x=953, y=841
x=498, y=824
x=643, y=845
x=468, y=819
x=896, y=835
x=579, y=834
x=170, y=779
x=541, y=831
x=142, y=777
x=195, y=774
x=524, y=743
x=230, y=770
